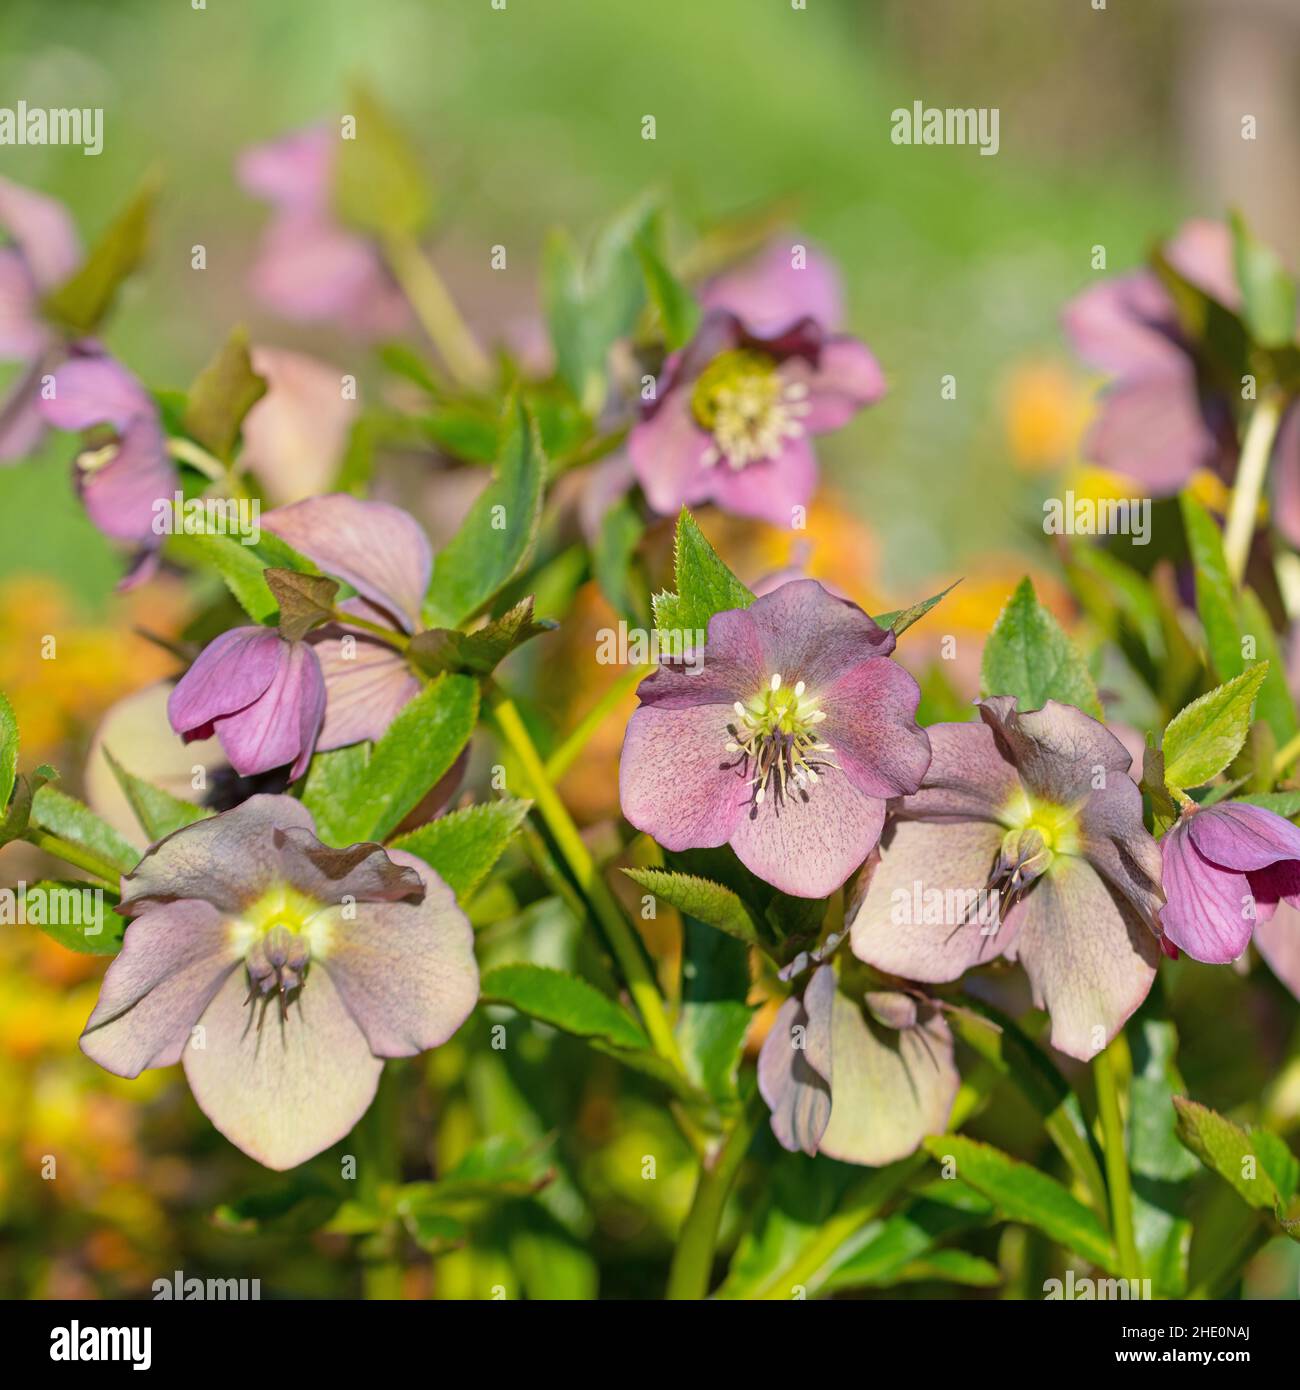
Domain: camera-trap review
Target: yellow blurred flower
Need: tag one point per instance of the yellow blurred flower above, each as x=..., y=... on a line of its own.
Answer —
x=1045, y=408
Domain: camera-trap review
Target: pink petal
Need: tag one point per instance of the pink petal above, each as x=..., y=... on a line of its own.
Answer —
x=1125, y=325
x=769, y=295
x=846, y=378
x=871, y=724
x=96, y=391
x=364, y=692
x=768, y=489
x=1202, y=253
x=970, y=776
x=293, y=172
x=794, y=1067
x=23, y=335
x=121, y=497
x=281, y=725
x=1151, y=429
x=667, y=452
x=1237, y=835
x=43, y=231
x=1209, y=911
x=231, y=672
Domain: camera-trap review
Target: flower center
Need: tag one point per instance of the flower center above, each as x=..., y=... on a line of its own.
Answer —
x=742, y=401
x=775, y=734
x=276, y=937
x=1038, y=832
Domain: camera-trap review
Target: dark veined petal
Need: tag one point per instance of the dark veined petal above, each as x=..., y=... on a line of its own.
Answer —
x=794, y=1065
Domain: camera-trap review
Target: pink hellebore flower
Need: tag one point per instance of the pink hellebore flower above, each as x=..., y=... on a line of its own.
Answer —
x=1226, y=867
x=785, y=743
x=42, y=253
x=280, y=972
x=123, y=480
x=384, y=555
x=263, y=697
x=738, y=405
x=860, y=1080
x=310, y=267
x=1026, y=841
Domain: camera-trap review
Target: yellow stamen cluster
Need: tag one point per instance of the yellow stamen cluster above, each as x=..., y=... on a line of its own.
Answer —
x=775, y=734
x=742, y=401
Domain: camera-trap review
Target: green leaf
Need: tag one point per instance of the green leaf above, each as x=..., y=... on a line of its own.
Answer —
x=1268, y=293
x=1204, y=737
x=1021, y=1193
x=8, y=750
x=1028, y=655
x=379, y=186
x=903, y=618
x=335, y=784
x=498, y=535
x=564, y=1002
x=1274, y=704
x=714, y=1015
x=83, y=300
x=709, y=902
x=419, y=746
x=68, y=818
x=705, y=585
x=679, y=313
x=441, y=649
x=159, y=812
x=462, y=846
x=1163, y=810
x=222, y=395
x=17, y=816
x=1216, y=595
x=1285, y=804
x=612, y=559
x=304, y=601
x=243, y=567
x=75, y=915
x=593, y=300
x=1257, y=1164
x=905, y=1238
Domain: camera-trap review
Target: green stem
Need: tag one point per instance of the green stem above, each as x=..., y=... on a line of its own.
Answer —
x=1224, y=1273
x=398, y=640
x=1285, y=756
x=622, y=939
x=567, y=753
x=108, y=874
x=1252, y=468
x=197, y=457
x=692, y=1263
x=437, y=311
x=1117, y=1174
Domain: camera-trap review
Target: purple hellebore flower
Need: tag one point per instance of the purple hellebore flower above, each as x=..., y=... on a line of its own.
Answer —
x=382, y=552
x=280, y=972
x=738, y=404
x=859, y=1080
x=120, y=480
x=1226, y=867
x=263, y=697
x=310, y=267
x=42, y=254
x=785, y=743
x=1025, y=841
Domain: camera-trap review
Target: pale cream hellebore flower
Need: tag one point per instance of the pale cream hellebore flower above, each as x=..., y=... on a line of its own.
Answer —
x=281, y=972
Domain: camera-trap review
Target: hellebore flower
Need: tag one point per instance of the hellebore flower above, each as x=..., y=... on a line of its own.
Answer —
x=382, y=552
x=738, y=405
x=1226, y=867
x=122, y=477
x=863, y=1080
x=263, y=697
x=309, y=266
x=280, y=972
x=1024, y=841
x=42, y=254
x=294, y=438
x=785, y=742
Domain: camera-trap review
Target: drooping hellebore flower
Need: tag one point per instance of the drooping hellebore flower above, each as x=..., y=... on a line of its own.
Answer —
x=309, y=266
x=785, y=742
x=280, y=972
x=863, y=1079
x=262, y=696
x=122, y=477
x=1226, y=867
x=43, y=251
x=381, y=551
x=1026, y=841
x=737, y=407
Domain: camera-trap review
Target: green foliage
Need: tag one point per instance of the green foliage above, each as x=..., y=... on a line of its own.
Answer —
x=714, y=1015
x=1268, y=293
x=1203, y=738
x=481, y=651
x=1028, y=655
x=379, y=185
x=158, y=811
x=563, y=1001
x=83, y=300
x=71, y=820
x=705, y=585
x=679, y=313
x=708, y=902
x=462, y=846
x=222, y=395
x=64, y=913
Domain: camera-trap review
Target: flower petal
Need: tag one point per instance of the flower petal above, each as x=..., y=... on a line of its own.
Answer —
x=1058, y=750
x=379, y=549
x=809, y=635
x=769, y=489
x=229, y=860
x=95, y=391
x=794, y=1067
x=174, y=958
x=808, y=843
x=364, y=873
x=230, y=673
x=667, y=453
x=1209, y=910
x=366, y=691
x=1150, y=428
x=1278, y=941
x=769, y=294
x=890, y=1089
x=871, y=725
x=282, y=1089
x=928, y=871
x=293, y=172
x=43, y=231
x=22, y=334
x=1240, y=836
x=847, y=378
x=970, y=776
x=405, y=971
x=280, y=727
x=1116, y=843
x=1126, y=325
x=1090, y=958
x=121, y=497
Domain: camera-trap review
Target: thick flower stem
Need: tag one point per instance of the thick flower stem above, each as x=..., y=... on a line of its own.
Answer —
x=622, y=940
x=688, y=1278
x=1246, y=491
x=1117, y=1174
x=108, y=874
x=437, y=311
x=1285, y=756
x=568, y=752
